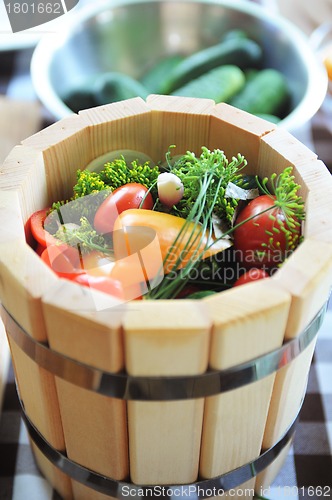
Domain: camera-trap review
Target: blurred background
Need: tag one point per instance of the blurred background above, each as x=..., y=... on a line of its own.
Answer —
x=62, y=60
x=31, y=99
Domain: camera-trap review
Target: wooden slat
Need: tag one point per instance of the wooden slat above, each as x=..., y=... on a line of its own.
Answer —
x=165, y=338
x=235, y=131
x=20, y=172
x=266, y=478
x=279, y=150
x=59, y=481
x=23, y=279
x=180, y=121
x=82, y=492
x=94, y=425
x=247, y=322
x=318, y=223
x=307, y=275
x=65, y=147
x=120, y=125
x=24, y=276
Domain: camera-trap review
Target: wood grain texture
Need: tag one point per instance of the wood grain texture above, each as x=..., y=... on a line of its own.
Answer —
x=82, y=492
x=159, y=442
x=165, y=338
x=95, y=426
x=23, y=279
x=120, y=125
x=180, y=121
x=60, y=481
x=266, y=478
x=65, y=147
x=247, y=322
x=235, y=131
x=306, y=275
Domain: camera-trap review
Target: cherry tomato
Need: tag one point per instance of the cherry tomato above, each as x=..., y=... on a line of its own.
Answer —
x=253, y=274
x=101, y=283
x=121, y=199
x=265, y=239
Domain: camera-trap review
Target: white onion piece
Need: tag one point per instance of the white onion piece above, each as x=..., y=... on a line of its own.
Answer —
x=170, y=189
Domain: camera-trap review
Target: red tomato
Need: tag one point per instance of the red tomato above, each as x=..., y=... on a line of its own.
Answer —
x=56, y=258
x=62, y=260
x=121, y=199
x=101, y=283
x=253, y=274
x=262, y=241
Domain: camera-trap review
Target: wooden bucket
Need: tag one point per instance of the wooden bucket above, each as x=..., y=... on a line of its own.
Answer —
x=184, y=398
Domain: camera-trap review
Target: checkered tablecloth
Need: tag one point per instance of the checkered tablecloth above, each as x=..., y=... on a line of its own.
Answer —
x=307, y=472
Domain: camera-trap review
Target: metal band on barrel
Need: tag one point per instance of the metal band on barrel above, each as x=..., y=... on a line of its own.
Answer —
x=165, y=388
x=120, y=489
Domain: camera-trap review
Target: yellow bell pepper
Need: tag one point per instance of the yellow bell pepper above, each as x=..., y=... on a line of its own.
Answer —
x=161, y=240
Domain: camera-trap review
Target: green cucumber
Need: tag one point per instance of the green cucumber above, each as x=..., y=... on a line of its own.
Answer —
x=238, y=51
x=154, y=77
x=219, y=84
x=266, y=93
x=82, y=95
x=115, y=87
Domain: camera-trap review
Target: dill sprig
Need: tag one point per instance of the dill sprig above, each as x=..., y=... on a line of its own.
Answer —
x=200, y=216
x=285, y=190
x=117, y=173
x=84, y=237
x=88, y=183
x=74, y=209
x=190, y=170
x=113, y=175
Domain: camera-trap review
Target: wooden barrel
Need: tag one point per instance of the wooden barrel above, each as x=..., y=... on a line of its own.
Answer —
x=199, y=395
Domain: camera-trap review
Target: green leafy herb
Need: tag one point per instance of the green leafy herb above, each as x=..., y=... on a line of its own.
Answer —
x=190, y=169
x=199, y=216
x=88, y=183
x=285, y=189
x=283, y=186
x=117, y=173
x=83, y=236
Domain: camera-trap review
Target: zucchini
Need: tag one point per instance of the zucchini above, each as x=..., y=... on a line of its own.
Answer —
x=154, y=77
x=219, y=84
x=115, y=87
x=266, y=93
x=239, y=51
